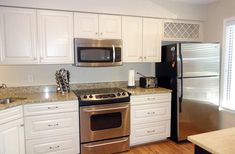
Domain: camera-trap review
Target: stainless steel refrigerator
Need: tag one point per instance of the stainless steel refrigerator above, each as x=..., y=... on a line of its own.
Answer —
x=192, y=72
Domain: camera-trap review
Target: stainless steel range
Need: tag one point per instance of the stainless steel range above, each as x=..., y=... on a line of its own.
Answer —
x=104, y=120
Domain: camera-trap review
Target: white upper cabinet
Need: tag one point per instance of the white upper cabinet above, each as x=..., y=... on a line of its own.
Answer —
x=86, y=25
x=110, y=27
x=152, y=32
x=17, y=36
x=141, y=39
x=132, y=39
x=55, y=31
x=94, y=26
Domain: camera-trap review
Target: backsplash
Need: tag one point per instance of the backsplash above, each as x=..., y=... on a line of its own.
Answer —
x=35, y=75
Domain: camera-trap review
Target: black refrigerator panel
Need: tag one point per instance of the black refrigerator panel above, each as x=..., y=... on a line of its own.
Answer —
x=167, y=82
x=168, y=65
x=174, y=115
x=166, y=72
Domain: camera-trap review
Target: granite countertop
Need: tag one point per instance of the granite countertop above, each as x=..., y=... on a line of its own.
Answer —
x=221, y=141
x=40, y=97
x=143, y=91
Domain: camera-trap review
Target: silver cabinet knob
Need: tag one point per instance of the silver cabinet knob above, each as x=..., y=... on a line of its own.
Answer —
x=144, y=57
x=140, y=57
x=101, y=33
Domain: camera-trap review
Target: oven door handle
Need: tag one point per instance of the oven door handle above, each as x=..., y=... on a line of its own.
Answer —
x=114, y=54
x=89, y=110
x=93, y=145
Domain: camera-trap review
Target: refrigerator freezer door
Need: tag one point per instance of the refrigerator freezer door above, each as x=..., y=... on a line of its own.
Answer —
x=199, y=106
x=200, y=59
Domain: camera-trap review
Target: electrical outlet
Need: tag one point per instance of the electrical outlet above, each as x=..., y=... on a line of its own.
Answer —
x=30, y=78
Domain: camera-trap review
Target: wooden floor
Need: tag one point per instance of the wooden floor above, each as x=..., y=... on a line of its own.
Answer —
x=163, y=147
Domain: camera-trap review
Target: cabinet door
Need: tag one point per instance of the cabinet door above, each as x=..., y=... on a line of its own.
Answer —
x=17, y=36
x=68, y=144
x=152, y=40
x=110, y=27
x=55, y=30
x=150, y=113
x=51, y=125
x=149, y=132
x=132, y=39
x=12, y=138
x=86, y=25
x=50, y=108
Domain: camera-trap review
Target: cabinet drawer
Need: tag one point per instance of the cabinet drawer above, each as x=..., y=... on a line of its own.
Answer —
x=150, y=113
x=11, y=114
x=51, y=125
x=149, y=132
x=150, y=99
x=55, y=145
x=48, y=108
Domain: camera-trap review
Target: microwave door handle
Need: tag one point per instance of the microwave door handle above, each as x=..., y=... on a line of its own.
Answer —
x=114, y=53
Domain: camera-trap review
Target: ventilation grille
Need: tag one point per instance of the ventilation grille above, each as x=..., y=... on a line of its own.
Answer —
x=185, y=31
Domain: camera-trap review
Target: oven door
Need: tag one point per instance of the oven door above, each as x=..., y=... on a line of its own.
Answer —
x=100, y=122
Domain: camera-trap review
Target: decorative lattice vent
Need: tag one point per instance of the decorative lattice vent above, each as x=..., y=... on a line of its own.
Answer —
x=187, y=31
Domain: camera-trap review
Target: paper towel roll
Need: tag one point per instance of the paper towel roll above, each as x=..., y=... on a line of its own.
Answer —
x=131, y=78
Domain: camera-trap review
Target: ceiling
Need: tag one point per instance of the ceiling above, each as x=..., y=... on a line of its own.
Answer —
x=195, y=1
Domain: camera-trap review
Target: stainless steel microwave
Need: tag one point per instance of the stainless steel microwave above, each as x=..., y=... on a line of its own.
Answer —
x=97, y=53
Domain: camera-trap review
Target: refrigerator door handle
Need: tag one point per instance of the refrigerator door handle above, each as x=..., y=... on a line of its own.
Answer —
x=181, y=78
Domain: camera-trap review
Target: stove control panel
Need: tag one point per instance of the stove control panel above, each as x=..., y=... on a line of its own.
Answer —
x=107, y=96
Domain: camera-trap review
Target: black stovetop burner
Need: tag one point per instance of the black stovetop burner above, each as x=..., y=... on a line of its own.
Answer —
x=102, y=96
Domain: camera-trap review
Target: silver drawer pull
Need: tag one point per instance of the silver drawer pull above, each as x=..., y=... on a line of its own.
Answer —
x=151, y=131
x=56, y=147
x=150, y=113
x=151, y=99
x=54, y=107
x=53, y=125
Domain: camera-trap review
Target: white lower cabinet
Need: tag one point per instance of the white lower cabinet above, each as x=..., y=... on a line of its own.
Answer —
x=12, y=131
x=59, y=145
x=53, y=130
x=150, y=118
x=149, y=132
x=50, y=125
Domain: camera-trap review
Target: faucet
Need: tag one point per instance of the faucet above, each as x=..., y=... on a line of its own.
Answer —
x=3, y=86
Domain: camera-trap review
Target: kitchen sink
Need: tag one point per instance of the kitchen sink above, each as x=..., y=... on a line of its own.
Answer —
x=9, y=100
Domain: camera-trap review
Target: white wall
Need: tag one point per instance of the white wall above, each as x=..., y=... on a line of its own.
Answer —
x=152, y=8
x=216, y=13
x=45, y=74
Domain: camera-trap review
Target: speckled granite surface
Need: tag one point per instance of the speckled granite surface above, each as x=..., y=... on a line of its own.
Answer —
x=143, y=91
x=36, y=97
x=40, y=94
